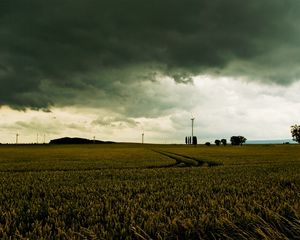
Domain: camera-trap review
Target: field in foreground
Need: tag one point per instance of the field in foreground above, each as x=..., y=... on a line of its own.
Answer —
x=127, y=191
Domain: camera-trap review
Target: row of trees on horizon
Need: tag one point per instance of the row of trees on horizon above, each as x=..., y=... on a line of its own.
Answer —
x=240, y=140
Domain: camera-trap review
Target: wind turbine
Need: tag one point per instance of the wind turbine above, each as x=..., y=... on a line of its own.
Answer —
x=192, y=119
x=17, y=138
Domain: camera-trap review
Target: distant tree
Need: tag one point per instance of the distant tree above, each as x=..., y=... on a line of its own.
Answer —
x=243, y=139
x=234, y=140
x=224, y=141
x=237, y=140
x=194, y=140
x=295, y=130
x=217, y=142
x=207, y=143
x=186, y=140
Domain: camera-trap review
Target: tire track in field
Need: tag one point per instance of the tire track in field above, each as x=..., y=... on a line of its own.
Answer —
x=181, y=161
x=188, y=160
x=202, y=161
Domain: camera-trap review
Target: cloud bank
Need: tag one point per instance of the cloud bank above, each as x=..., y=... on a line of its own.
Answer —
x=105, y=53
x=222, y=108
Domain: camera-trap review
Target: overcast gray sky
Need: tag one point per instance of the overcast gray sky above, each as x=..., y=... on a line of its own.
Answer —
x=116, y=68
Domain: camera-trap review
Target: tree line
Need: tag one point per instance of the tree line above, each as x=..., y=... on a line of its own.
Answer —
x=235, y=140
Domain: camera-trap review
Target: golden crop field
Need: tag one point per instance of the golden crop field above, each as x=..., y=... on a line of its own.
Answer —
x=134, y=191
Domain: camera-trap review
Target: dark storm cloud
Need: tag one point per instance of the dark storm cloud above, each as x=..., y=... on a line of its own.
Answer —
x=56, y=52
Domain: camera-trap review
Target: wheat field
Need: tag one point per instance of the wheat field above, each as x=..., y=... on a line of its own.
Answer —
x=134, y=191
